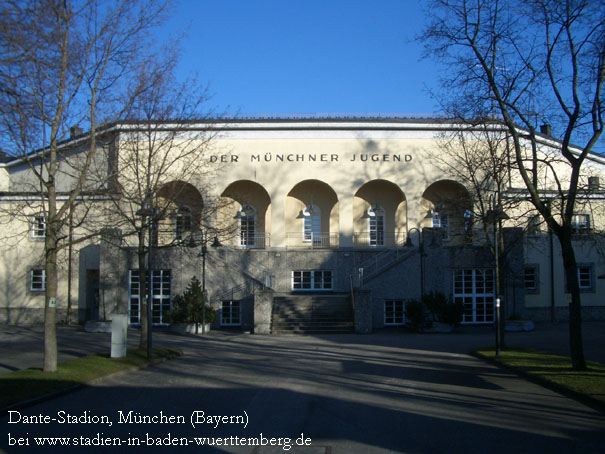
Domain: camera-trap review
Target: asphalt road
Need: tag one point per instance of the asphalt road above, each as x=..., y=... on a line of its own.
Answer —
x=388, y=392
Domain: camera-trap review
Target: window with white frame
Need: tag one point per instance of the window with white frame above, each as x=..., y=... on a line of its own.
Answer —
x=376, y=226
x=231, y=313
x=315, y=280
x=580, y=223
x=247, y=226
x=474, y=288
x=530, y=279
x=311, y=224
x=442, y=222
x=182, y=222
x=38, y=227
x=161, y=296
x=394, y=312
x=37, y=280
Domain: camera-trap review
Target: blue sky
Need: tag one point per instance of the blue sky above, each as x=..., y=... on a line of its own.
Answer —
x=307, y=57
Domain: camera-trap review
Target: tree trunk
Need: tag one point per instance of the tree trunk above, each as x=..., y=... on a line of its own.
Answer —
x=576, y=346
x=143, y=286
x=50, y=310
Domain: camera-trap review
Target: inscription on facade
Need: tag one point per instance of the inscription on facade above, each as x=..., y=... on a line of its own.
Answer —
x=313, y=157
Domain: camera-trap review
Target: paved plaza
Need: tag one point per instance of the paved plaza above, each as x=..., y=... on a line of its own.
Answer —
x=392, y=391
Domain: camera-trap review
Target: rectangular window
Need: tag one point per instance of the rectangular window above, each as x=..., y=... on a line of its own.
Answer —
x=247, y=233
x=38, y=280
x=161, y=297
x=38, y=227
x=474, y=288
x=394, y=311
x=231, y=313
x=531, y=279
x=312, y=280
x=585, y=277
x=376, y=224
x=580, y=223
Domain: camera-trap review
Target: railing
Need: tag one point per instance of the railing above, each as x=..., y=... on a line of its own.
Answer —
x=378, y=239
x=323, y=240
x=238, y=292
x=383, y=259
x=256, y=241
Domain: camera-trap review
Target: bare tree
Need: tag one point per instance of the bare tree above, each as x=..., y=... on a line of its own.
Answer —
x=528, y=63
x=68, y=62
x=477, y=155
x=161, y=172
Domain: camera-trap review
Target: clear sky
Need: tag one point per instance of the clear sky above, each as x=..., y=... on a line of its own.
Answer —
x=307, y=57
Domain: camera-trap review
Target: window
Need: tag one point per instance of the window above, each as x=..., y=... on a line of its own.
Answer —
x=37, y=280
x=530, y=279
x=312, y=280
x=474, y=288
x=161, y=296
x=394, y=312
x=585, y=277
x=580, y=223
x=442, y=221
x=311, y=225
x=38, y=227
x=247, y=226
x=533, y=225
x=182, y=222
x=376, y=226
x=231, y=313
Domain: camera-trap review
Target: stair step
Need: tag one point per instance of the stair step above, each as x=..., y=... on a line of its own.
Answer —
x=312, y=314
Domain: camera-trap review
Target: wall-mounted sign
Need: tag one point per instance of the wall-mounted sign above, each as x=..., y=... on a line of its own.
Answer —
x=312, y=157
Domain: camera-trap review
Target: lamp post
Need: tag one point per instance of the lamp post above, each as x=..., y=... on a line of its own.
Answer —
x=409, y=243
x=204, y=249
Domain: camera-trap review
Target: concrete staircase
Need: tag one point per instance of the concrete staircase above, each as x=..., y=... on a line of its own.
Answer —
x=312, y=314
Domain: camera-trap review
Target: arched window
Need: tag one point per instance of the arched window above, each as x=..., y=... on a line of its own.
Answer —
x=311, y=224
x=247, y=226
x=182, y=222
x=376, y=226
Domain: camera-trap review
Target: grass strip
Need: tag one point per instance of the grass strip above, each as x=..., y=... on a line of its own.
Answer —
x=553, y=369
x=24, y=385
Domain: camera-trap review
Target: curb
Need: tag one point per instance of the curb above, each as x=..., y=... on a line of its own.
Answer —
x=589, y=401
x=95, y=381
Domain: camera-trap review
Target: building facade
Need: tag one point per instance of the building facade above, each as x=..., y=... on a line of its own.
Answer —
x=325, y=208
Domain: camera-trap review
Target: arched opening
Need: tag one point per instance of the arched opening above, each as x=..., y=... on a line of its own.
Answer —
x=244, y=215
x=445, y=206
x=181, y=206
x=379, y=215
x=312, y=215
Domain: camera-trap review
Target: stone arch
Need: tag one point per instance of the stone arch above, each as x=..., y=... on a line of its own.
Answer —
x=235, y=203
x=312, y=193
x=390, y=198
x=174, y=199
x=443, y=205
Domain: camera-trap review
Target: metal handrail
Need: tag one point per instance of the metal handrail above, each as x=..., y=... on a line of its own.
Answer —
x=256, y=241
x=321, y=240
x=378, y=239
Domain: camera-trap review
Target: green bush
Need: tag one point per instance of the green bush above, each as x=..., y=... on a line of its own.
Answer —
x=413, y=313
x=442, y=309
x=187, y=308
x=451, y=313
x=435, y=303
